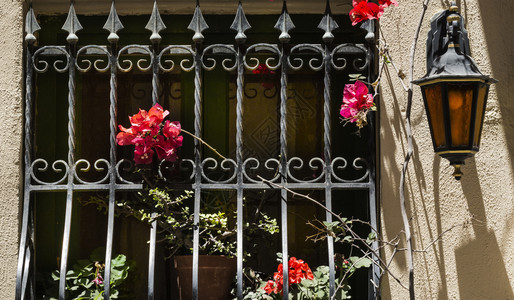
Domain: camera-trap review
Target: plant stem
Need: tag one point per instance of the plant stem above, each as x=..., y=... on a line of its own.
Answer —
x=203, y=142
x=408, y=156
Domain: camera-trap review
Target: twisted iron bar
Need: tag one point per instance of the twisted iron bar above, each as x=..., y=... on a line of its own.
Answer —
x=327, y=129
x=284, y=165
x=71, y=162
x=239, y=161
x=198, y=171
x=24, y=251
x=113, y=108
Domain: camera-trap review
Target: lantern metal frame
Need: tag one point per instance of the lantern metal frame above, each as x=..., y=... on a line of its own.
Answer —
x=453, y=90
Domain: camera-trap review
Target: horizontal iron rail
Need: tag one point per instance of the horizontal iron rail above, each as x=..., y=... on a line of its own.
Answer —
x=208, y=186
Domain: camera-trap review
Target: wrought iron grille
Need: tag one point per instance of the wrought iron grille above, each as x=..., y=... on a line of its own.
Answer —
x=326, y=59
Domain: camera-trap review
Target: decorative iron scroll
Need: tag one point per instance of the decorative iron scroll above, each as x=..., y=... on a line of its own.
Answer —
x=239, y=174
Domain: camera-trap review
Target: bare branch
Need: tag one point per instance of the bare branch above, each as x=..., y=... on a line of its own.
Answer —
x=408, y=156
x=204, y=142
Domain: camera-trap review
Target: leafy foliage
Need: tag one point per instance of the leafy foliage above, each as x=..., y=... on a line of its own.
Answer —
x=176, y=220
x=317, y=288
x=85, y=280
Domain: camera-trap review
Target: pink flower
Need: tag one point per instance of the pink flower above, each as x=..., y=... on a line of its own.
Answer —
x=98, y=280
x=149, y=135
x=171, y=130
x=386, y=3
x=356, y=102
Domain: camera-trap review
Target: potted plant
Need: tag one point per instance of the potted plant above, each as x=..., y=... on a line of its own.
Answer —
x=154, y=140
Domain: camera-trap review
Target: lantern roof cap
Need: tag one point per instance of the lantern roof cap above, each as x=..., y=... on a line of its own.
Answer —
x=453, y=65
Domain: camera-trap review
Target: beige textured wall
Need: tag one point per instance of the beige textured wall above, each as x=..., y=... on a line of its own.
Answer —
x=475, y=260
x=11, y=53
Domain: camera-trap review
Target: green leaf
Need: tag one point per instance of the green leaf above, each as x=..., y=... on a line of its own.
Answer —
x=55, y=276
x=348, y=239
x=308, y=283
x=120, y=260
x=354, y=77
x=371, y=238
x=360, y=262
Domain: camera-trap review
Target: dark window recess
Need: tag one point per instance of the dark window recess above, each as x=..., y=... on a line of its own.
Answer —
x=283, y=126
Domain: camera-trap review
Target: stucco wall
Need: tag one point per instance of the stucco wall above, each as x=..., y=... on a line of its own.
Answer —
x=472, y=261
x=475, y=259
x=11, y=53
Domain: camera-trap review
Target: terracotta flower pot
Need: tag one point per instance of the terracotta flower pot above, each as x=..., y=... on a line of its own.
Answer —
x=215, y=276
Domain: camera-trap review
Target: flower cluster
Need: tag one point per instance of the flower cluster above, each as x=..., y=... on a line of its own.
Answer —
x=150, y=135
x=298, y=270
x=364, y=10
x=356, y=103
x=263, y=69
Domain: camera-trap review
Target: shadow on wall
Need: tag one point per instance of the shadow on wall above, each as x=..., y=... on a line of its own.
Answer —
x=392, y=136
x=497, y=22
x=480, y=266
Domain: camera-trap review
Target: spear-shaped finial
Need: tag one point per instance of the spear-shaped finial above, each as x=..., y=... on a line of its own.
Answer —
x=328, y=24
x=72, y=25
x=155, y=24
x=240, y=24
x=31, y=26
x=284, y=24
x=113, y=25
x=198, y=24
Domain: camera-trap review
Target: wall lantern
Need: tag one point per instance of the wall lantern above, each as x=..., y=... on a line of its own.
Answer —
x=454, y=90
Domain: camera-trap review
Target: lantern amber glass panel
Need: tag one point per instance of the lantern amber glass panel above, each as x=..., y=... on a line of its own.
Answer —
x=479, y=117
x=434, y=105
x=460, y=100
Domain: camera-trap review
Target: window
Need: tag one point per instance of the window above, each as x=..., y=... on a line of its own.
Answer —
x=280, y=124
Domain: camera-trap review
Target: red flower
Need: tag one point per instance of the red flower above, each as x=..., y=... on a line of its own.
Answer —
x=150, y=136
x=298, y=270
x=363, y=10
x=126, y=136
x=263, y=69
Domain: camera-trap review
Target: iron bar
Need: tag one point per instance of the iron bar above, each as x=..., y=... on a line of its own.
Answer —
x=239, y=161
x=374, y=277
x=72, y=25
x=155, y=25
x=31, y=26
x=198, y=170
x=112, y=24
x=283, y=168
x=328, y=161
x=71, y=162
x=328, y=24
x=203, y=186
